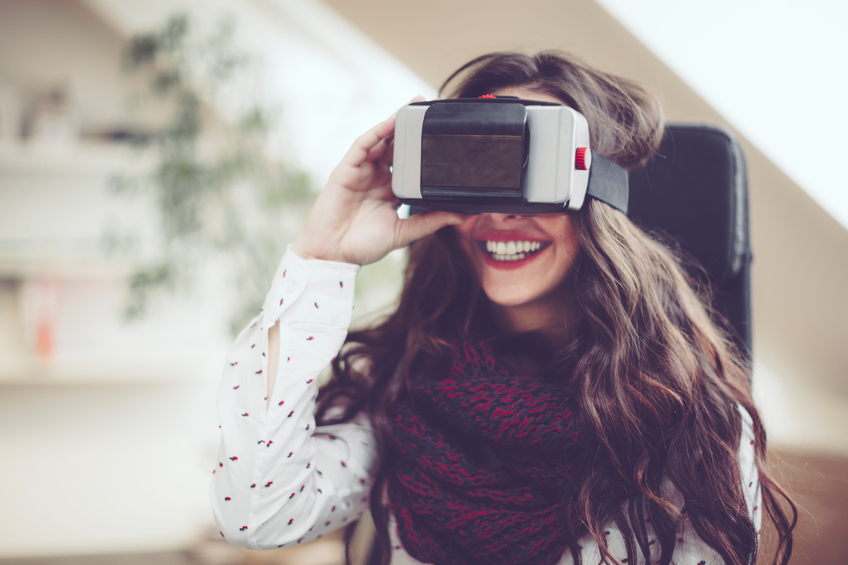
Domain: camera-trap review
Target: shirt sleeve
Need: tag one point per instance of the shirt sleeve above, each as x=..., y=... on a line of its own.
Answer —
x=278, y=479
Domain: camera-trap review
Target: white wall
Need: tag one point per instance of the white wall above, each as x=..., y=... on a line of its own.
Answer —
x=108, y=446
x=45, y=43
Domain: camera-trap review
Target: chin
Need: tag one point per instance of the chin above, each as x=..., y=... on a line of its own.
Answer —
x=512, y=296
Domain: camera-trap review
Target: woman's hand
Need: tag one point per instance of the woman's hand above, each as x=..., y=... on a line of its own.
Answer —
x=354, y=219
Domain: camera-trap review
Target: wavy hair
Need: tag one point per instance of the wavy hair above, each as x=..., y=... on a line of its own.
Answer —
x=658, y=380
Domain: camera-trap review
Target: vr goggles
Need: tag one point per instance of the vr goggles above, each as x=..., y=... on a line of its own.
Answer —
x=500, y=154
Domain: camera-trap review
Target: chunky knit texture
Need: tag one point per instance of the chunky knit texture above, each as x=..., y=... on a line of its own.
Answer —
x=483, y=458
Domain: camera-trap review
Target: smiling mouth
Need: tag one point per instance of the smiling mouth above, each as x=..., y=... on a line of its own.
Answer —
x=512, y=250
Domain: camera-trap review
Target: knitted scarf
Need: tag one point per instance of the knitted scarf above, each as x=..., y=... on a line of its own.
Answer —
x=453, y=508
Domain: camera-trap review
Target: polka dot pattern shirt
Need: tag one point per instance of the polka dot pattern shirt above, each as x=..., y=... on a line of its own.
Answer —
x=280, y=481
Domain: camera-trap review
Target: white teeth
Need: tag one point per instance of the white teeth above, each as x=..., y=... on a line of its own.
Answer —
x=516, y=257
x=511, y=250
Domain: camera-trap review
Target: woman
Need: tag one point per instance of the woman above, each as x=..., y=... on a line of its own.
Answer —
x=549, y=390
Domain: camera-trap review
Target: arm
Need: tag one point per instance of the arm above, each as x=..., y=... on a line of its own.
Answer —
x=279, y=480
x=276, y=483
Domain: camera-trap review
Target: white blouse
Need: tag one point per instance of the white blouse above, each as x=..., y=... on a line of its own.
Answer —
x=279, y=480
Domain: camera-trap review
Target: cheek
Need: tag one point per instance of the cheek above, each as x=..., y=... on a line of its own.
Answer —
x=569, y=248
x=565, y=262
x=562, y=231
x=463, y=232
x=548, y=276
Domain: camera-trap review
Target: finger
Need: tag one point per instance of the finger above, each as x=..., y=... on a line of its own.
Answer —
x=363, y=145
x=382, y=182
x=388, y=157
x=420, y=225
x=389, y=153
x=379, y=151
x=415, y=99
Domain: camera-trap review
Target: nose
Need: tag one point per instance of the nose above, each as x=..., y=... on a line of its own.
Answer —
x=503, y=218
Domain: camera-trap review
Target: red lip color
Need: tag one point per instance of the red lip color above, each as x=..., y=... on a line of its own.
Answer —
x=508, y=236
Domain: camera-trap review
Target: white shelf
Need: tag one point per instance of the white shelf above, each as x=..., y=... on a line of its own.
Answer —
x=54, y=270
x=113, y=368
x=57, y=208
x=181, y=339
x=83, y=158
x=73, y=266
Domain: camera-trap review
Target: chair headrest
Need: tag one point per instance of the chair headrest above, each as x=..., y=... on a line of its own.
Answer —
x=695, y=190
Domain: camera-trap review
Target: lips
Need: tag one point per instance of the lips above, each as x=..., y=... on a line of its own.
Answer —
x=510, y=250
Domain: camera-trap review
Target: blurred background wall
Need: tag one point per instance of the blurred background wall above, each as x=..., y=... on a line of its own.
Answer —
x=107, y=426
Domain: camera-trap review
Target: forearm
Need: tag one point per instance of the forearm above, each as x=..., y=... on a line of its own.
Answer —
x=278, y=479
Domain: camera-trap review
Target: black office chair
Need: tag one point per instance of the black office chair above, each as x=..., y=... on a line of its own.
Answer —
x=695, y=190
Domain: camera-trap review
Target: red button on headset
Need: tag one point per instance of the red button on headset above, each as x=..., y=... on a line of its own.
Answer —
x=583, y=159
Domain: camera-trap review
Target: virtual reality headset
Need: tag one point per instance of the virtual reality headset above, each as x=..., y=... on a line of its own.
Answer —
x=500, y=154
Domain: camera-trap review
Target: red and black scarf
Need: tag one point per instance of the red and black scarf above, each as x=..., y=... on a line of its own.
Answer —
x=455, y=505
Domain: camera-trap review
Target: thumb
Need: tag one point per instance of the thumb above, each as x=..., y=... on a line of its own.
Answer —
x=419, y=225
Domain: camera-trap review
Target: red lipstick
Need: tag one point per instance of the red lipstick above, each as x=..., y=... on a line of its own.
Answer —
x=506, y=236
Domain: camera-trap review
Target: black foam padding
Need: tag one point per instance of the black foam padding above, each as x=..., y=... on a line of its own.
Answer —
x=695, y=191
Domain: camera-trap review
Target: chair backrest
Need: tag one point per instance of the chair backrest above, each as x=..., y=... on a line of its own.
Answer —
x=695, y=191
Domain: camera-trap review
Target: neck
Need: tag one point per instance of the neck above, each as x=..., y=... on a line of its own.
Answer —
x=552, y=315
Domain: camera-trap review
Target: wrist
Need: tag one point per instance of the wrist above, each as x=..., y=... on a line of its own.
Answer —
x=307, y=252
x=303, y=251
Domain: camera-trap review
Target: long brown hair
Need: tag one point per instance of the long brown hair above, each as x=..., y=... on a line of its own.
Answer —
x=658, y=382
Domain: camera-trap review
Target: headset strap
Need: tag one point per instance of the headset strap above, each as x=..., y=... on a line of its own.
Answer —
x=608, y=182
